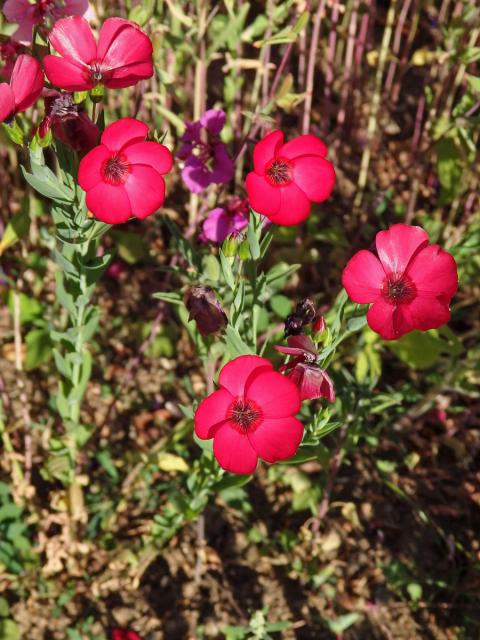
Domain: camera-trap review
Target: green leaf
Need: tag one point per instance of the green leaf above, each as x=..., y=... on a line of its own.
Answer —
x=96, y=267
x=281, y=305
x=39, y=348
x=449, y=168
x=30, y=309
x=9, y=630
x=252, y=237
x=421, y=350
x=17, y=228
x=414, y=591
x=170, y=297
x=342, y=623
x=236, y=346
x=227, y=270
x=45, y=182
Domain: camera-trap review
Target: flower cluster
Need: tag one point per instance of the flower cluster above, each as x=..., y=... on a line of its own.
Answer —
x=408, y=282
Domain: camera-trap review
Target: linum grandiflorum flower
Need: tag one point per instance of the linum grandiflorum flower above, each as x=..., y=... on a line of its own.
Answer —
x=311, y=381
x=205, y=309
x=122, y=57
x=29, y=14
x=410, y=283
x=222, y=221
x=26, y=84
x=68, y=121
x=251, y=415
x=206, y=156
x=288, y=177
x=124, y=634
x=123, y=174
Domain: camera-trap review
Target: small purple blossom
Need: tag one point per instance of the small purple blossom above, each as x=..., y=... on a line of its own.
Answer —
x=206, y=156
x=222, y=221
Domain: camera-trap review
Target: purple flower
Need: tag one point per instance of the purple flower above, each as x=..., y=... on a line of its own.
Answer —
x=206, y=157
x=222, y=221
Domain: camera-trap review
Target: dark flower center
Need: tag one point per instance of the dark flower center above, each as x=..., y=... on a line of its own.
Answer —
x=116, y=169
x=245, y=415
x=64, y=107
x=279, y=172
x=398, y=289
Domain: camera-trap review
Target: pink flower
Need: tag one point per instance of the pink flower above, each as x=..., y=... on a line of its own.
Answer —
x=123, y=174
x=68, y=121
x=410, y=283
x=288, y=177
x=311, y=381
x=251, y=415
x=29, y=14
x=206, y=157
x=124, y=634
x=122, y=57
x=26, y=84
x=222, y=221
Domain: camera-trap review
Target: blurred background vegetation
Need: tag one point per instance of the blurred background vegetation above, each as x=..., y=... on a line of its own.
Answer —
x=377, y=537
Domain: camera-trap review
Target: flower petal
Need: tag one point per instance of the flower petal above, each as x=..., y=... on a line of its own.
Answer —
x=265, y=150
x=67, y=74
x=434, y=272
x=275, y=394
x=233, y=450
x=123, y=131
x=7, y=101
x=128, y=76
x=122, y=43
x=150, y=153
x=294, y=206
x=89, y=171
x=145, y=189
x=235, y=373
x=219, y=224
x=72, y=38
x=263, y=198
x=315, y=176
x=211, y=412
x=388, y=320
x=277, y=438
x=302, y=146
x=398, y=245
x=26, y=82
x=426, y=313
x=363, y=277
x=109, y=203
x=213, y=120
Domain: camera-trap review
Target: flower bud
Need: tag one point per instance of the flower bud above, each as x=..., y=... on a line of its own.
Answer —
x=230, y=246
x=205, y=308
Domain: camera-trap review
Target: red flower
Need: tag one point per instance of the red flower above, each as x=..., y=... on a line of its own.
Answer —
x=288, y=177
x=312, y=381
x=122, y=57
x=26, y=84
x=123, y=175
x=252, y=415
x=410, y=283
x=124, y=634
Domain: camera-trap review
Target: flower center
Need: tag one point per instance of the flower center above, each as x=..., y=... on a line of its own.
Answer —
x=116, y=169
x=398, y=289
x=245, y=415
x=279, y=172
x=96, y=72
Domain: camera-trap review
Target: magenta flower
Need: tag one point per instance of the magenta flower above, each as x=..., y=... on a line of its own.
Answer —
x=26, y=84
x=251, y=415
x=408, y=282
x=222, y=221
x=9, y=52
x=28, y=15
x=311, y=381
x=206, y=157
x=122, y=57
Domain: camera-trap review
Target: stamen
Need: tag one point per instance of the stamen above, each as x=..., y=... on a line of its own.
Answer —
x=398, y=289
x=244, y=414
x=279, y=172
x=116, y=169
x=96, y=72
